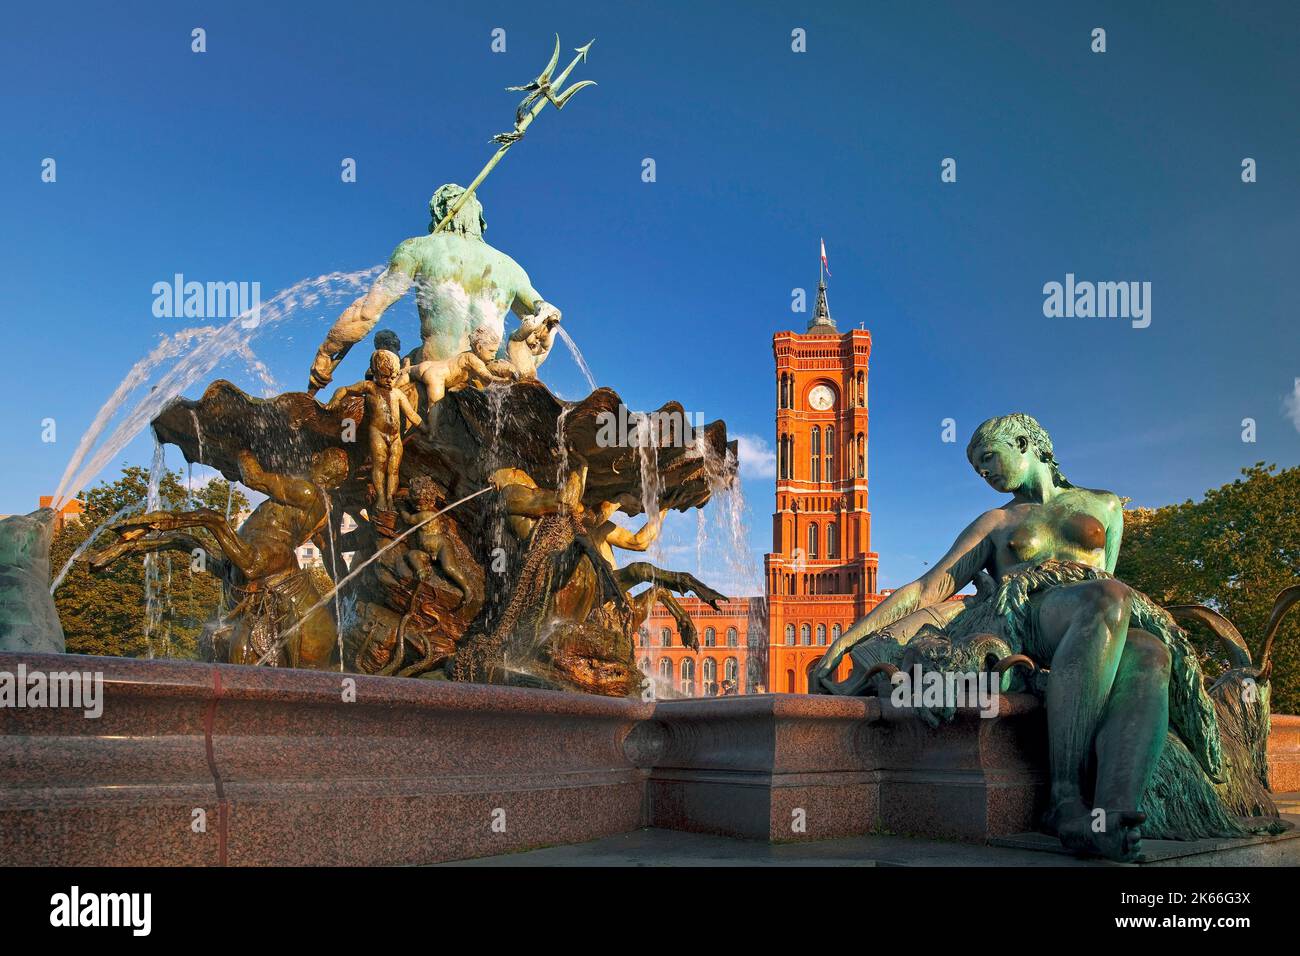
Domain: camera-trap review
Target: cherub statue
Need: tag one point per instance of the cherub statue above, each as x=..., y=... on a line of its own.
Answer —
x=435, y=546
x=462, y=284
x=530, y=344
x=470, y=367
x=386, y=404
x=389, y=341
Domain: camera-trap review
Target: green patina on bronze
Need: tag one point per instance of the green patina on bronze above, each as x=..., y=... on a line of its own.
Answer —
x=462, y=283
x=1140, y=745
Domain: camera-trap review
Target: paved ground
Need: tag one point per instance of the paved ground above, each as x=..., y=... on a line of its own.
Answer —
x=652, y=847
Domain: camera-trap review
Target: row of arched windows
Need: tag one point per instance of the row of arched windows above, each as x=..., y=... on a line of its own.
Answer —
x=832, y=540
x=815, y=465
x=785, y=392
x=830, y=582
x=858, y=396
x=710, y=637
x=806, y=634
x=684, y=681
x=785, y=456
x=821, y=465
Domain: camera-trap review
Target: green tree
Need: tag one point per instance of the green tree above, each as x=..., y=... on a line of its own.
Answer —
x=1233, y=551
x=105, y=613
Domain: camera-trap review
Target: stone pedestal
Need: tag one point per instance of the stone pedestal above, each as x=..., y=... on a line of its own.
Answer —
x=196, y=764
x=789, y=767
x=767, y=767
x=1284, y=753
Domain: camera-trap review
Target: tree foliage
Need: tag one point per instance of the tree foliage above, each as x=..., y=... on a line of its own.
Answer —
x=105, y=613
x=1233, y=551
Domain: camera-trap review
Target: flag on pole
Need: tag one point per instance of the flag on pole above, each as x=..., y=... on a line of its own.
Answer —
x=825, y=264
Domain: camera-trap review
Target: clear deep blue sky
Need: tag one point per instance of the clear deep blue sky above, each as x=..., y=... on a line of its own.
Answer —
x=1116, y=166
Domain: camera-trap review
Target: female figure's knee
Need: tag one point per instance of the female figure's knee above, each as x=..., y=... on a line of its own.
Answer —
x=1151, y=655
x=1107, y=598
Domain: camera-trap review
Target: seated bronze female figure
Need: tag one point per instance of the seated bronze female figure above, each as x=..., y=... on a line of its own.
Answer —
x=1138, y=743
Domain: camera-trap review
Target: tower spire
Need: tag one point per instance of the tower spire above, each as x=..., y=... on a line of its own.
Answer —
x=821, y=320
x=822, y=313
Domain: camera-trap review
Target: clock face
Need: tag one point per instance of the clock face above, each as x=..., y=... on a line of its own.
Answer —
x=821, y=398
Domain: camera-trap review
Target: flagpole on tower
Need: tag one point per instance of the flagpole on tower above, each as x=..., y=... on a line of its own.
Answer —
x=821, y=313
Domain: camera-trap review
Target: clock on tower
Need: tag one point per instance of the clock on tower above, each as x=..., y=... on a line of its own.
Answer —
x=821, y=398
x=820, y=576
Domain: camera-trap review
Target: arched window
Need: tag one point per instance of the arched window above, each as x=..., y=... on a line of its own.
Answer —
x=710, y=637
x=835, y=633
x=688, y=677
x=832, y=540
x=731, y=670
x=665, y=637
x=643, y=636
x=789, y=635
x=789, y=682
x=805, y=635
x=830, y=453
x=666, y=670
x=821, y=633
x=812, y=540
x=733, y=638
x=862, y=456
x=709, y=674
x=862, y=389
x=645, y=666
x=815, y=470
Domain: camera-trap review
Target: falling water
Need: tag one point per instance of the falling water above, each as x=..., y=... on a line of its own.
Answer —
x=153, y=502
x=725, y=518
x=731, y=499
x=647, y=449
x=353, y=572
x=757, y=641
x=189, y=472
x=701, y=534
x=577, y=356
x=167, y=590
x=193, y=353
x=198, y=432
x=496, y=396
x=153, y=491
x=85, y=545
x=334, y=572
x=561, y=451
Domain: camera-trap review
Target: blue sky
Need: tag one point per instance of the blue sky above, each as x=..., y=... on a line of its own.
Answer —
x=1126, y=165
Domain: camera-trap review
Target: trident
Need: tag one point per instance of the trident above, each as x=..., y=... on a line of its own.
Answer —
x=540, y=91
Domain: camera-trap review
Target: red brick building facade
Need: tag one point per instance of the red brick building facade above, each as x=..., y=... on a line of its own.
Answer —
x=821, y=574
x=727, y=639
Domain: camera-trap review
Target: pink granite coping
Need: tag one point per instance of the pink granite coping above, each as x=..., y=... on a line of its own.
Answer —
x=1284, y=753
x=285, y=771
x=787, y=767
x=288, y=772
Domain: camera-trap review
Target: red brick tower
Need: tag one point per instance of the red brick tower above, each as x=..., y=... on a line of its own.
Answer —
x=821, y=573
